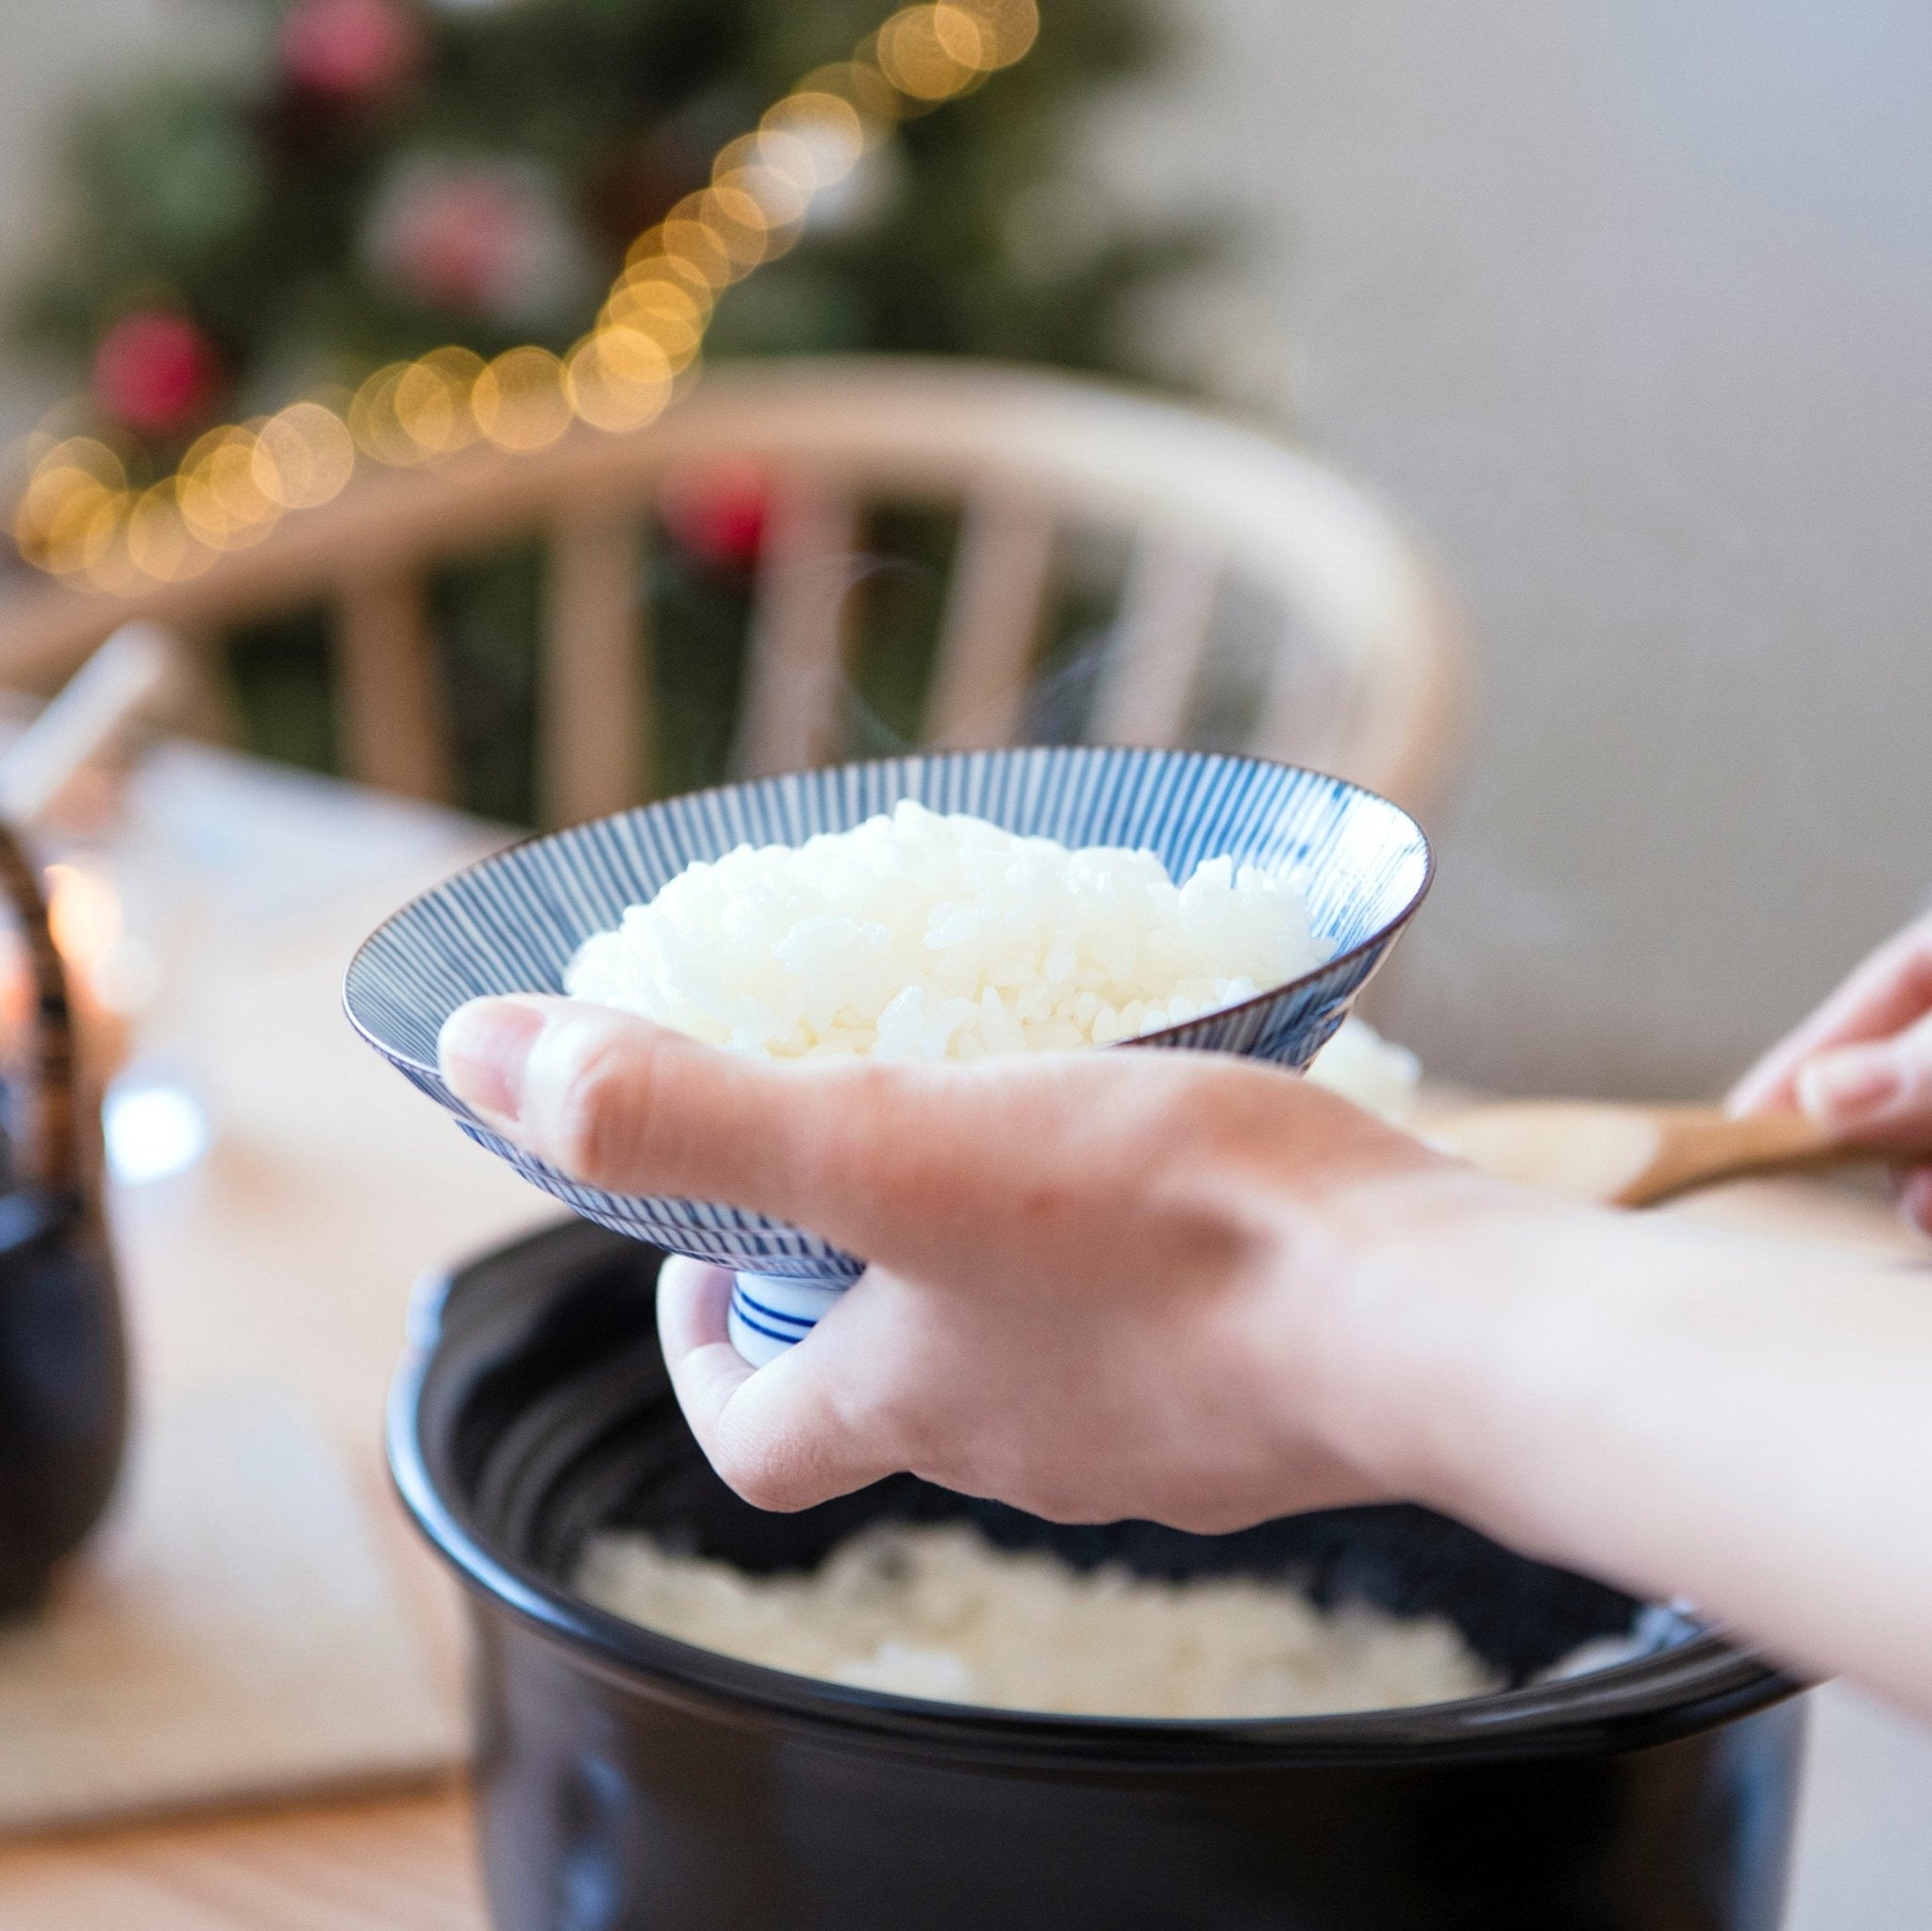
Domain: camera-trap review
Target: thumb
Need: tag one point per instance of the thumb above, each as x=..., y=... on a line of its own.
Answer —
x=775, y=1434
x=618, y=1103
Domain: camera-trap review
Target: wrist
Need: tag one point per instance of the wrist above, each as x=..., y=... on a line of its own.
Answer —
x=1537, y=1368
x=1461, y=1321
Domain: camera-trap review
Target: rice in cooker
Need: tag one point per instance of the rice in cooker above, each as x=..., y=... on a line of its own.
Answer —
x=940, y=1612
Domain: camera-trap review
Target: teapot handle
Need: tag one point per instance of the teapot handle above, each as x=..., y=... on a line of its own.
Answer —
x=51, y=1158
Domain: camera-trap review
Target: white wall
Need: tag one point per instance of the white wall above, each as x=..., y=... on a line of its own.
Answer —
x=1627, y=304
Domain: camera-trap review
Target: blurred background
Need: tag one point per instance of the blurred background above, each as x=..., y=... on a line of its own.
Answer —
x=1621, y=307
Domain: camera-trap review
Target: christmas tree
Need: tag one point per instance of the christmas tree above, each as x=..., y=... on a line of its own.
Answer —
x=388, y=176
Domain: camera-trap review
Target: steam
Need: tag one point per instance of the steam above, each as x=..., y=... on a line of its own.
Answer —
x=1059, y=693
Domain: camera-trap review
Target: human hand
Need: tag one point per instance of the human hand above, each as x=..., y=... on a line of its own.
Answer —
x=1105, y=1285
x=1861, y=1065
x=1192, y=1288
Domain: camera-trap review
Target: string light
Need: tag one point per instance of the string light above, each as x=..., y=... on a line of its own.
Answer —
x=304, y=457
x=79, y=518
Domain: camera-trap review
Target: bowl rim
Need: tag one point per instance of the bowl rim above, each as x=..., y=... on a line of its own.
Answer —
x=507, y=854
x=1705, y=1681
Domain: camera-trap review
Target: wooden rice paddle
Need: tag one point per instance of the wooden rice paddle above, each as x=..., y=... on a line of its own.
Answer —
x=1639, y=1155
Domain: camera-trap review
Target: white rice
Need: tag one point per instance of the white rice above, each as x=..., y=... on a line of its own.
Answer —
x=939, y=1612
x=917, y=936
x=1376, y=1073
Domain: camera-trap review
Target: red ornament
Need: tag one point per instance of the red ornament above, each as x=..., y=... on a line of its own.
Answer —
x=476, y=237
x=457, y=241
x=154, y=372
x=350, y=51
x=719, y=515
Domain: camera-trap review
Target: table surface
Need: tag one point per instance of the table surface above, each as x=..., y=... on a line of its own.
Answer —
x=289, y=1254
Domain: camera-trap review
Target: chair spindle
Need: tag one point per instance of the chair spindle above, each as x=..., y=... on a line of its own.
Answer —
x=598, y=706
x=393, y=704
x=799, y=629
x=1001, y=577
x=1161, y=637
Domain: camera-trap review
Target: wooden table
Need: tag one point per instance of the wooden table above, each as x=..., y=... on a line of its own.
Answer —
x=291, y=1255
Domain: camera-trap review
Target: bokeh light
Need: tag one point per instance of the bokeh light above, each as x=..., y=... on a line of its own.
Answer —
x=372, y=418
x=864, y=89
x=71, y=502
x=521, y=400
x=668, y=311
x=79, y=517
x=161, y=542
x=775, y=170
x=1008, y=27
x=619, y=378
x=694, y=251
x=219, y=495
x=932, y=53
x=433, y=401
x=152, y=1129
x=304, y=455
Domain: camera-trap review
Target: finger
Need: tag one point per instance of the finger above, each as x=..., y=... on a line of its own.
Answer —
x=1877, y=1094
x=706, y=1369
x=908, y=1165
x=1888, y=992
x=771, y=1433
x=1917, y=1198
x=621, y=1104
x=864, y=1153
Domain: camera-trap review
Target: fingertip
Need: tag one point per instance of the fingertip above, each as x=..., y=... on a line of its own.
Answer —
x=1813, y=1089
x=483, y=1049
x=1916, y=1198
x=1766, y=1085
x=773, y=1434
x=706, y=1369
x=693, y=1298
x=1854, y=1088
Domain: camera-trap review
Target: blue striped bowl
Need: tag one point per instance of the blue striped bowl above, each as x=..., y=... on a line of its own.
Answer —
x=512, y=923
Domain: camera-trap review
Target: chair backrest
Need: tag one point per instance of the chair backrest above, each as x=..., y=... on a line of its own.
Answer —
x=1360, y=662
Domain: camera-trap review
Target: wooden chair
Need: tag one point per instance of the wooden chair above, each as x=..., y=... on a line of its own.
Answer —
x=1362, y=665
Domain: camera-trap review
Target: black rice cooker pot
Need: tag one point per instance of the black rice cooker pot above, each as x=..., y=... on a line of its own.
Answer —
x=627, y=1782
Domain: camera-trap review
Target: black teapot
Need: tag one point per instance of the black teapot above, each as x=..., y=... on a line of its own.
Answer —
x=63, y=1379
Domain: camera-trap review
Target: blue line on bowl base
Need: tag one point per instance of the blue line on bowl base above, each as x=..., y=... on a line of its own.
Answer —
x=739, y=1298
x=771, y=1313
x=778, y=1333
x=757, y=1344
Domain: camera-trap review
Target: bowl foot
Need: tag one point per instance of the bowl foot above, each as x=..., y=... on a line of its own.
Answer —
x=773, y=1312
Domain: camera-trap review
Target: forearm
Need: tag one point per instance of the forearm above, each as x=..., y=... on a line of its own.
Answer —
x=1682, y=1411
